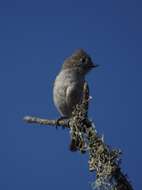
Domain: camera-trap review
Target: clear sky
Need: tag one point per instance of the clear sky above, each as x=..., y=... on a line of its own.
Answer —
x=35, y=37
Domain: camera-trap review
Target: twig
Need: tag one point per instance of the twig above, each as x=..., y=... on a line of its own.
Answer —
x=41, y=121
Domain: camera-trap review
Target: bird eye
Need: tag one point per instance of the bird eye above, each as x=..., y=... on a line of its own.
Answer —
x=82, y=60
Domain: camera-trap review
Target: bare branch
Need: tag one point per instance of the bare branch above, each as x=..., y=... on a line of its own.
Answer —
x=41, y=121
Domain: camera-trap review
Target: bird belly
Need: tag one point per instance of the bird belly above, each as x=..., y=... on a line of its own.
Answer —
x=62, y=82
x=59, y=97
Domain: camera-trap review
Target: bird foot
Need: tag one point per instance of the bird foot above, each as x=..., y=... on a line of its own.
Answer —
x=60, y=119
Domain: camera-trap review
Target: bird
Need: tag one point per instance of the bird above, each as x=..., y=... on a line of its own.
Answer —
x=69, y=83
x=68, y=87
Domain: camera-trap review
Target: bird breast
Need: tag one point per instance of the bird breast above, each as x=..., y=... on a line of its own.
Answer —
x=67, y=91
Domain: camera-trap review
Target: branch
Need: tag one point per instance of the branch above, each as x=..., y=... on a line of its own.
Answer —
x=41, y=121
x=102, y=159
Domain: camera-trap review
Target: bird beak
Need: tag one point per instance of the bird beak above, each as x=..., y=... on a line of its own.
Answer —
x=94, y=65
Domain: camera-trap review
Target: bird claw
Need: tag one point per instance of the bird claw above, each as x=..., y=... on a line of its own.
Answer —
x=60, y=119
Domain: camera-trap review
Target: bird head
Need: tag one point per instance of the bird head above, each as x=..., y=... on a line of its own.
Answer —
x=79, y=60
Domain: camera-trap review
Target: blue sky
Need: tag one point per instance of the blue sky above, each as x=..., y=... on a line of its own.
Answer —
x=35, y=37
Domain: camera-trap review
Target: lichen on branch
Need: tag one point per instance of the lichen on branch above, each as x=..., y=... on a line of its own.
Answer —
x=103, y=160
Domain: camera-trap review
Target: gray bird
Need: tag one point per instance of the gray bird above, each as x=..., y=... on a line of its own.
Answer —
x=68, y=86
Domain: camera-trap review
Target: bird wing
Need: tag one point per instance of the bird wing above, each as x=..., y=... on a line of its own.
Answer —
x=74, y=95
